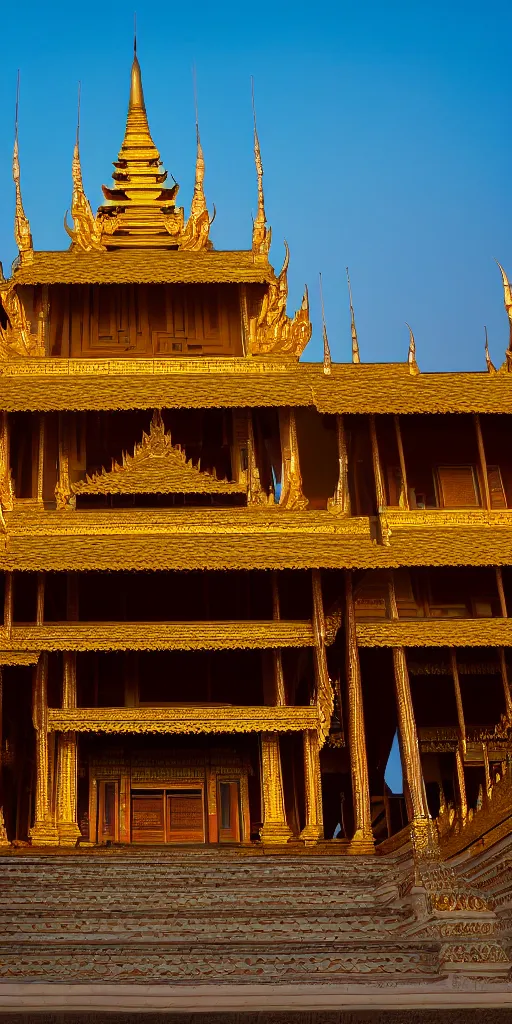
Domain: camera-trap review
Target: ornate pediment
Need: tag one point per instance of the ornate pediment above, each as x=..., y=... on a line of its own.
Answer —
x=156, y=467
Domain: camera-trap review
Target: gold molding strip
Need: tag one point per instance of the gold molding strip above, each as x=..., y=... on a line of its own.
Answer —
x=240, y=382
x=436, y=633
x=157, y=636
x=228, y=719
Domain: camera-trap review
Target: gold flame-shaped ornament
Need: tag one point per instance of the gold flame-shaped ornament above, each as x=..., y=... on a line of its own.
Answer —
x=411, y=354
x=22, y=232
x=327, y=351
x=273, y=332
x=355, y=343
x=86, y=232
x=196, y=231
x=488, y=361
x=507, y=295
x=261, y=233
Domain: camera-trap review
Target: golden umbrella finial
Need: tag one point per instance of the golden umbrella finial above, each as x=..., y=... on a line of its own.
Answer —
x=355, y=344
x=327, y=351
x=22, y=233
x=261, y=234
x=488, y=361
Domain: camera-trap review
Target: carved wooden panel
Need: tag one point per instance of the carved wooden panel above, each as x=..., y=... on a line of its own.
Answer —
x=457, y=487
x=148, y=824
x=185, y=817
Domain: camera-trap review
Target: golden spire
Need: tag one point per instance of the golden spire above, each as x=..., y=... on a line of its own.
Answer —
x=139, y=212
x=327, y=351
x=261, y=234
x=411, y=355
x=195, y=235
x=488, y=361
x=355, y=344
x=85, y=233
x=22, y=233
x=507, y=291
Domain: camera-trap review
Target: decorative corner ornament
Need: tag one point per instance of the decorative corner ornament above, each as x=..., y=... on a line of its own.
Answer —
x=411, y=355
x=273, y=332
x=87, y=229
x=261, y=233
x=17, y=339
x=507, y=296
x=22, y=233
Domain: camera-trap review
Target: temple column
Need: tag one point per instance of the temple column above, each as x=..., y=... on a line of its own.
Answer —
x=3, y=832
x=43, y=831
x=291, y=479
x=410, y=750
x=380, y=491
x=67, y=768
x=275, y=828
x=363, y=841
x=6, y=484
x=314, y=827
x=340, y=502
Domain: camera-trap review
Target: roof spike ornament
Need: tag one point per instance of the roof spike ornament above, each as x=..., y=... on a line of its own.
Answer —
x=86, y=231
x=22, y=233
x=507, y=294
x=261, y=234
x=488, y=361
x=411, y=355
x=356, y=358
x=327, y=351
x=196, y=232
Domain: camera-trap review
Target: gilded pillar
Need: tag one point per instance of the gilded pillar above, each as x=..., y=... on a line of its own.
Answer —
x=340, y=502
x=363, y=836
x=6, y=485
x=67, y=766
x=8, y=603
x=275, y=828
x=43, y=831
x=410, y=750
x=314, y=827
x=63, y=496
x=280, y=695
x=291, y=479
x=461, y=783
x=380, y=491
x=458, y=699
x=3, y=832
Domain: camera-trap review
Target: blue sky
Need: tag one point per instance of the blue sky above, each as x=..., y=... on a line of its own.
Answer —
x=385, y=131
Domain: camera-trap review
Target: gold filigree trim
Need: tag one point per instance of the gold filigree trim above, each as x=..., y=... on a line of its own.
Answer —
x=153, y=636
x=436, y=633
x=194, y=720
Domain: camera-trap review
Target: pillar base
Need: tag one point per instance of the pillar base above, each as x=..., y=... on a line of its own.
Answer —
x=3, y=831
x=362, y=843
x=311, y=834
x=44, y=833
x=69, y=833
x=275, y=832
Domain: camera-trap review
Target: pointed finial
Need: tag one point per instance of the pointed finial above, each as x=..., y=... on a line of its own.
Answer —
x=261, y=234
x=85, y=233
x=488, y=361
x=411, y=355
x=507, y=293
x=195, y=234
x=22, y=234
x=327, y=351
x=355, y=344
x=135, y=33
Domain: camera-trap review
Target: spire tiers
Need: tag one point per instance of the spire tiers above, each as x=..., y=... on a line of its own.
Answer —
x=139, y=211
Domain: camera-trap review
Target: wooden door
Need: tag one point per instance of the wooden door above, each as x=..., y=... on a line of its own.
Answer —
x=148, y=822
x=229, y=812
x=108, y=811
x=185, y=816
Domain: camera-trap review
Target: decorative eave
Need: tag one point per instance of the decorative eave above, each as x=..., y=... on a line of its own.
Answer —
x=156, y=467
x=193, y=383
x=144, y=267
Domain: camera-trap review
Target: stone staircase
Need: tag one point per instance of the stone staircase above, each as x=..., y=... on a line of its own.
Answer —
x=193, y=916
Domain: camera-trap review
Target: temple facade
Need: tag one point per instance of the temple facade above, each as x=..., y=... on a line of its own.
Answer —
x=232, y=580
